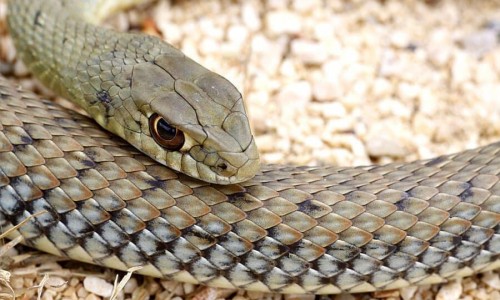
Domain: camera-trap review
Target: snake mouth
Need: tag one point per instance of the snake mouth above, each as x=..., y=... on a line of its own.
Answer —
x=238, y=167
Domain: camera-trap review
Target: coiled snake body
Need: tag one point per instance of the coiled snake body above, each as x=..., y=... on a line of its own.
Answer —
x=288, y=229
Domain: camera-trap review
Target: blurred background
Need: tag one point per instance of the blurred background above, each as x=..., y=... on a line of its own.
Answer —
x=330, y=82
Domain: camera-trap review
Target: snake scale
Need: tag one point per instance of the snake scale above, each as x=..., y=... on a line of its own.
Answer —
x=287, y=230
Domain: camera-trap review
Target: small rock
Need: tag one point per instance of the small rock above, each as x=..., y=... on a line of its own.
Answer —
x=380, y=146
x=450, y=291
x=400, y=39
x=326, y=89
x=98, y=286
x=408, y=293
x=382, y=88
x=407, y=91
x=480, y=42
x=237, y=34
x=439, y=47
x=485, y=72
x=333, y=110
x=309, y=52
x=277, y=4
x=390, y=64
x=82, y=292
x=131, y=285
x=269, y=54
x=188, y=288
x=70, y=292
x=427, y=102
x=469, y=285
x=92, y=297
x=461, y=69
x=20, y=69
x=250, y=17
x=283, y=22
x=56, y=283
x=492, y=280
x=306, y=6
x=49, y=294
x=295, y=94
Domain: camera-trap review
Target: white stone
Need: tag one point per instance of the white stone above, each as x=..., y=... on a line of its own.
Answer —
x=98, y=286
x=450, y=291
x=277, y=4
x=485, y=72
x=56, y=283
x=428, y=101
x=267, y=54
x=407, y=91
x=82, y=292
x=439, y=47
x=130, y=286
x=382, y=146
x=461, y=68
x=332, y=110
x=250, y=16
x=20, y=69
x=408, y=293
x=309, y=52
x=481, y=42
x=382, y=88
x=237, y=34
x=492, y=280
x=400, y=39
x=295, y=94
x=306, y=6
x=283, y=22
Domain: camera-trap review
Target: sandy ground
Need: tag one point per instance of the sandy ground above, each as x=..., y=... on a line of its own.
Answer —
x=326, y=82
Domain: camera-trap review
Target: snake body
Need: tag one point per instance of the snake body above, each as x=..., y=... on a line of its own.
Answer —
x=288, y=229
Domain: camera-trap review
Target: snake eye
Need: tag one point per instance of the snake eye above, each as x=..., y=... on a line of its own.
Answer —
x=165, y=134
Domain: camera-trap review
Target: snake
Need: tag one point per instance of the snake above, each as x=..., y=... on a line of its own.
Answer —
x=166, y=177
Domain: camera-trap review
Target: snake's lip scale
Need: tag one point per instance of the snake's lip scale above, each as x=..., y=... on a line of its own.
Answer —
x=320, y=230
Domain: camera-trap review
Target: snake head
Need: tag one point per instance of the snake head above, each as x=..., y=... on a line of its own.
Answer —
x=194, y=121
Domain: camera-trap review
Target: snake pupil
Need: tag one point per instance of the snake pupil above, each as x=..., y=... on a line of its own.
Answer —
x=165, y=134
x=166, y=131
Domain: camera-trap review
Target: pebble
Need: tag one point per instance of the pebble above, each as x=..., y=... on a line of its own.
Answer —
x=250, y=16
x=485, y=73
x=400, y=39
x=92, y=297
x=439, y=47
x=481, y=42
x=295, y=96
x=492, y=280
x=269, y=54
x=332, y=110
x=450, y=291
x=380, y=146
x=408, y=293
x=98, y=286
x=82, y=292
x=461, y=69
x=309, y=52
x=283, y=22
x=130, y=286
x=56, y=283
